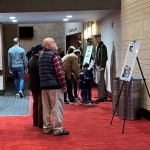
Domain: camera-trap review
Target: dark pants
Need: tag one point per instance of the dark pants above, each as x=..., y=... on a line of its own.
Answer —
x=69, y=90
x=84, y=94
x=37, y=110
x=75, y=87
x=89, y=91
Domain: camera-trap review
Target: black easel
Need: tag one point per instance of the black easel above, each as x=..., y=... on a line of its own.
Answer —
x=128, y=94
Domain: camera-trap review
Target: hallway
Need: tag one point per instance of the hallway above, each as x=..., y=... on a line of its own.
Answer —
x=89, y=128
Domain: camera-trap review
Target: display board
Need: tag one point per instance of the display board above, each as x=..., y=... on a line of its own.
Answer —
x=129, y=62
x=88, y=54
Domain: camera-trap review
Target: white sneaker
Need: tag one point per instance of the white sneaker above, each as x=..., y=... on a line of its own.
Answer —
x=20, y=93
x=17, y=94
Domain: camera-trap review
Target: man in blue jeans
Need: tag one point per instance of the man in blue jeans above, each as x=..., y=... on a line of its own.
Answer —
x=17, y=64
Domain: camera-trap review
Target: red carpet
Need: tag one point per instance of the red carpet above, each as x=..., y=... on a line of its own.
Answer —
x=89, y=128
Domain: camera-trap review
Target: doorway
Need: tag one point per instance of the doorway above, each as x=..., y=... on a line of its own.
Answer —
x=71, y=40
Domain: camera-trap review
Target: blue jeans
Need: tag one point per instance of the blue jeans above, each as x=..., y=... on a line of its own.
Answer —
x=84, y=94
x=18, y=73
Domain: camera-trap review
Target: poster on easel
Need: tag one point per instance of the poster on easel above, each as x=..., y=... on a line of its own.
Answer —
x=129, y=62
x=88, y=54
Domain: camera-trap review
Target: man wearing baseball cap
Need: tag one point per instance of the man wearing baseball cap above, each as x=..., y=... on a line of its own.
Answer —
x=100, y=61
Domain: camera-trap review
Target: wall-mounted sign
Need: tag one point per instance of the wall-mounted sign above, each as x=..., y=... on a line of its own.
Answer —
x=73, y=28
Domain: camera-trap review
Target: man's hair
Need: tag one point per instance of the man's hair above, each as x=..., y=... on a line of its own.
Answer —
x=71, y=49
x=90, y=42
x=77, y=51
x=16, y=41
x=85, y=65
x=78, y=42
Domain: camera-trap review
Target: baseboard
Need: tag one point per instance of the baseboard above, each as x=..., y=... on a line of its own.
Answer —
x=109, y=94
x=145, y=114
x=2, y=92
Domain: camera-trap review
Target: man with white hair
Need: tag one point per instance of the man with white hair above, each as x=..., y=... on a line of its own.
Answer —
x=53, y=85
x=17, y=64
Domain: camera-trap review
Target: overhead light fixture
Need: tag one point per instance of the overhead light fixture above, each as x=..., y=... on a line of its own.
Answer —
x=12, y=17
x=65, y=19
x=69, y=16
x=14, y=20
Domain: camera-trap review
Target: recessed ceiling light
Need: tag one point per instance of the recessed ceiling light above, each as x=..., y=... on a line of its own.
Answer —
x=14, y=20
x=69, y=16
x=12, y=17
x=65, y=19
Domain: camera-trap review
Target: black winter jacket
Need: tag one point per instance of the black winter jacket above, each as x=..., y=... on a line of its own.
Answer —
x=34, y=79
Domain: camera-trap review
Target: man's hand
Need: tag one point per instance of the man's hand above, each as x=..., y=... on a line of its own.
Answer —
x=11, y=72
x=64, y=90
x=102, y=69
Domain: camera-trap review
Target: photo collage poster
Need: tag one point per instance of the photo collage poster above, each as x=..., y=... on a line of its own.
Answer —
x=88, y=54
x=129, y=62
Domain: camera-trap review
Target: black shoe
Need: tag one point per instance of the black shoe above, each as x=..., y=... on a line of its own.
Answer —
x=105, y=99
x=63, y=133
x=100, y=100
x=76, y=97
x=66, y=102
x=35, y=125
x=73, y=102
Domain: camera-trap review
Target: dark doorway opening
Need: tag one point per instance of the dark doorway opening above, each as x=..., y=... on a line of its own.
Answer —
x=71, y=40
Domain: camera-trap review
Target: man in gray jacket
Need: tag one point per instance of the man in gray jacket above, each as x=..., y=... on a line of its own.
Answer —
x=17, y=64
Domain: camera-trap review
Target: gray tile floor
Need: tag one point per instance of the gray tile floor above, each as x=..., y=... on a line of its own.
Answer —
x=12, y=105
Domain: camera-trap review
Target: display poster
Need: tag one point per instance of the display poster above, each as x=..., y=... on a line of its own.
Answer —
x=88, y=54
x=129, y=62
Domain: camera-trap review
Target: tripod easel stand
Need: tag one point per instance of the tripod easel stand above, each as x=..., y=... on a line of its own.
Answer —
x=128, y=94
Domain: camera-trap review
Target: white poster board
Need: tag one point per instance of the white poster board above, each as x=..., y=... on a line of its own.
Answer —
x=88, y=54
x=129, y=62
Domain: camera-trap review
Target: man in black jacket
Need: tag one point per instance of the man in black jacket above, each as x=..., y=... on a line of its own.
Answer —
x=100, y=61
x=34, y=86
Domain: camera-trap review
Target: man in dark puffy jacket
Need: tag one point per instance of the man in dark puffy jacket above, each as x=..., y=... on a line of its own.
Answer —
x=34, y=86
x=53, y=84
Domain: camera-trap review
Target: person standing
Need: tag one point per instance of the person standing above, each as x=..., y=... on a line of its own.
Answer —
x=81, y=58
x=100, y=61
x=70, y=62
x=17, y=64
x=70, y=50
x=29, y=53
x=34, y=86
x=53, y=85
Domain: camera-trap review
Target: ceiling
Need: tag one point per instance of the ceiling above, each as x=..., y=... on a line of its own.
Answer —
x=55, y=17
